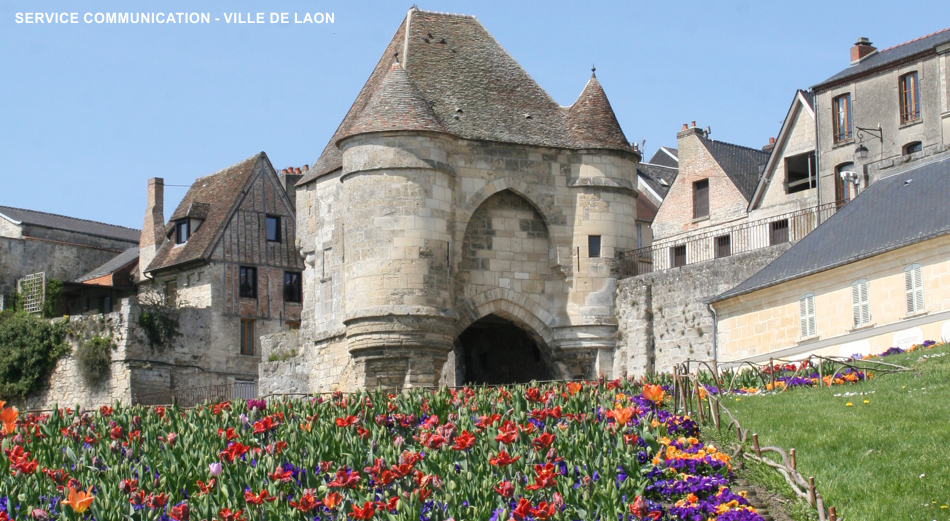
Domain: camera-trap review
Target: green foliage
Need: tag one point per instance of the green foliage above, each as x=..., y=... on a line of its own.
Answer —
x=95, y=358
x=29, y=348
x=274, y=357
x=159, y=321
x=881, y=460
x=52, y=298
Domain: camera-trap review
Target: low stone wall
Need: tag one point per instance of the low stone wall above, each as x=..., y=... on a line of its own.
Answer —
x=292, y=363
x=662, y=318
x=66, y=386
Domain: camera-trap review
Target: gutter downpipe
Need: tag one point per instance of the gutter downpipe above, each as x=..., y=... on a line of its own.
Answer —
x=715, y=335
x=817, y=155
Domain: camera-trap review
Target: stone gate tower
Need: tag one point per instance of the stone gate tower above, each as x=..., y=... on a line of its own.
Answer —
x=460, y=226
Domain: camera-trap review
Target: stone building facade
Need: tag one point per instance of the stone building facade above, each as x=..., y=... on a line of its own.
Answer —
x=64, y=248
x=457, y=198
x=226, y=261
x=900, y=96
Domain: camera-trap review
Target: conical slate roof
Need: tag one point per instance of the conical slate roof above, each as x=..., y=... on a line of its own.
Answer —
x=591, y=120
x=396, y=105
x=476, y=90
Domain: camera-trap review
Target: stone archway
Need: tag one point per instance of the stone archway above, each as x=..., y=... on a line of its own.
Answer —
x=495, y=351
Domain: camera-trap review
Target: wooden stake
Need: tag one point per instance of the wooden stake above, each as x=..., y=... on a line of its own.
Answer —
x=833, y=514
x=772, y=373
x=739, y=433
x=811, y=491
x=793, y=458
x=755, y=444
x=699, y=401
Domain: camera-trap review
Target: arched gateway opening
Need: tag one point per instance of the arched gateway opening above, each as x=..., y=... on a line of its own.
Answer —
x=496, y=351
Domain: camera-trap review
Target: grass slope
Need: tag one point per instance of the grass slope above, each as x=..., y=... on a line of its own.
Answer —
x=882, y=460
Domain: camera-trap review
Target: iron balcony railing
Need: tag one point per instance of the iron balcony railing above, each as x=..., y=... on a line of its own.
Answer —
x=197, y=395
x=724, y=241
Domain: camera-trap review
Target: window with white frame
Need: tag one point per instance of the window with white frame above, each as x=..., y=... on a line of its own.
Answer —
x=914, y=288
x=860, y=306
x=806, y=310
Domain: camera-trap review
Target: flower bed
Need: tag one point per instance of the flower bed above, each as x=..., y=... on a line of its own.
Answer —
x=567, y=451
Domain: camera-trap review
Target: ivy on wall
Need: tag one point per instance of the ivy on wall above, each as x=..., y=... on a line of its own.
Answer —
x=29, y=349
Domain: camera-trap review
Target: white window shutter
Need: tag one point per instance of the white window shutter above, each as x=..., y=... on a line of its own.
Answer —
x=909, y=289
x=918, y=289
x=856, y=304
x=803, y=314
x=806, y=309
x=914, y=288
x=865, y=304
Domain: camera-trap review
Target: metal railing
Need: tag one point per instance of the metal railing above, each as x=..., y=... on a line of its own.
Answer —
x=197, y=395
x=724, y=241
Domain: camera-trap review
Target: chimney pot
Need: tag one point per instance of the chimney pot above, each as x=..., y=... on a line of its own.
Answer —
x=861, y=48
x=685, y=126
x=771, y=140
x=296, y=170
x=306, y=168
x=693, y=124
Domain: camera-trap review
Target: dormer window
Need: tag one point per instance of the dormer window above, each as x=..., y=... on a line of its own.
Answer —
x=182, y=231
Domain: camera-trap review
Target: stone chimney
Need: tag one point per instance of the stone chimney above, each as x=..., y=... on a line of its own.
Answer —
x=153, y=230
x=861, y=49
x=289, y=178
x=690, y=129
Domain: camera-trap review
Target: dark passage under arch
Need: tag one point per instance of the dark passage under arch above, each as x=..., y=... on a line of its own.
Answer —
x=496, y=351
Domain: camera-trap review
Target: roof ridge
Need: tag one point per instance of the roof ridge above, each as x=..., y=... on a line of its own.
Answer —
x=914, y=40
x=445, y=14
x=735, y=145
x=69, y=217
x=658, y=166
x=255, y=156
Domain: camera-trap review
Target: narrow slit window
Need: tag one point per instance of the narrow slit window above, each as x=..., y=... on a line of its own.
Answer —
x=272, y=225
x=593, y=246
x=182, y=231
x=247, y=336
x=701, y=199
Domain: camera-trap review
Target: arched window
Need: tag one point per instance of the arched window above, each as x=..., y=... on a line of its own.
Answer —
x=842, y=186
x=860, y=306
x=806, y=311
x=912, y=148
x=914, y=289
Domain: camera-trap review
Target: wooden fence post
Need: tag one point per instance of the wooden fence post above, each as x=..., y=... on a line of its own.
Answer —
x=772, y=374
x=811, y=491
x=833, y=514
x=755, y=444
x=792, y=451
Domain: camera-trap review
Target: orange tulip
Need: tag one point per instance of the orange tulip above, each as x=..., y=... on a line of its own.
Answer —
x=654, y=393
x=79, y=501
x=574, y=387
x=8, y=418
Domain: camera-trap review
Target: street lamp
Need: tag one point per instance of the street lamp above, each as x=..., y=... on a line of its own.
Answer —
x=861, y=151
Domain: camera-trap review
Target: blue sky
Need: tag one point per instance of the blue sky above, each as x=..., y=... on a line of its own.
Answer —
x=89, y=112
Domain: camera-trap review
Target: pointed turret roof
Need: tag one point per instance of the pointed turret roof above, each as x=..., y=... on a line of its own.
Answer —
x=396, y=105
x=476, y=90
x=592, y=121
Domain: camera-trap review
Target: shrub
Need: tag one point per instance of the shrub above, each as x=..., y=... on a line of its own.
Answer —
x=160, y=324
x=95, y=358
x=29, y=348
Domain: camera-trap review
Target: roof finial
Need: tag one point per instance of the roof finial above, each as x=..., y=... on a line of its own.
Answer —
x=593, y=69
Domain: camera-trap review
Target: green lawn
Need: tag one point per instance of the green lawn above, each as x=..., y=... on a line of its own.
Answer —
x=885, y=460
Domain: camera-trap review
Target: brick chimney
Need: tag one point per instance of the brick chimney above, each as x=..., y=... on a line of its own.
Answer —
x=153, y=230
x=770, y=146
x=861, y=48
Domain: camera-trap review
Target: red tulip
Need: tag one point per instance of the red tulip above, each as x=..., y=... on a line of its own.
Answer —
x=543, y=441
x=505, y=488
x=332, y=500
x=523, y=509
x=179, y=512
x=363, y=514
x=503, y=459
x=464, y=441
x=258, y=499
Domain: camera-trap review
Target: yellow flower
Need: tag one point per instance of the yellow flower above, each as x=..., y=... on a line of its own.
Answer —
x=79, y=501
x=867, y=401
x=849, y=404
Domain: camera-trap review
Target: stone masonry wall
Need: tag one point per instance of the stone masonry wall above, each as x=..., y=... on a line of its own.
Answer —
x=662, y=317
x=67, y=388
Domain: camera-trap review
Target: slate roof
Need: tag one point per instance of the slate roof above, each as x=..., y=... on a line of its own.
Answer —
x=662, y=157
x=477, y=91
x=116, y=263
x=891, y=55
x=220, y=192
x=70, y=224
x=654, y=174
x=892, y=213
x=741, y=164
